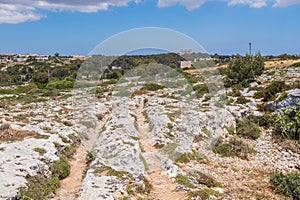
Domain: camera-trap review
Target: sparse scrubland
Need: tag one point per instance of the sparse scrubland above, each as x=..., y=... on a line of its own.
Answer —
x=168, y=141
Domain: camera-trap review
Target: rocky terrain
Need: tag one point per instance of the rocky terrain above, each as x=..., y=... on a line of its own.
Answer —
x=141, y=143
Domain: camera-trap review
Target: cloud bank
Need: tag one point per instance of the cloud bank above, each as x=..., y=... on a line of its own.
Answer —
x=19, y=11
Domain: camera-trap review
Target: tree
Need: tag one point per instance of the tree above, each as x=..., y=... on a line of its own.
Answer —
x=242, y=70
x=41, y=77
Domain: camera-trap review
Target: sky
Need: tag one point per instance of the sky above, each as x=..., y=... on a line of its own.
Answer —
x=76, y=27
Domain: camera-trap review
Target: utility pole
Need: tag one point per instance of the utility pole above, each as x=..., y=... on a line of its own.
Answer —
x=250, y=48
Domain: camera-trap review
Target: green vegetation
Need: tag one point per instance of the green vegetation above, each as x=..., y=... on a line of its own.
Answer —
x=69, y=151
x=269, y=93
x=61, y=84
x=108, y=171
x=247, y=128
x=39, y=187
x=40, y=72
x=243, y=70
x=242, y=100
x=206, y=180
x=235, y=92
x=152, y=87
x=90, y=157
x=267, y=120
x=282, y=96
x=200, y=90
x=184, y=180
x=187, y=157
x=203, y=194
x=41, y=151
x=233, y=147
x=295, y=64
x=60, y=168
x=129, y=62
x=288, y=185
x=288, y=124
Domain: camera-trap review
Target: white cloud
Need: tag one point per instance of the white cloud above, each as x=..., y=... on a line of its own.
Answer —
x=251, y=3
x=19, y=11
x=285, y=3
x=189, y=4
x=15, y=17
x=14, y=13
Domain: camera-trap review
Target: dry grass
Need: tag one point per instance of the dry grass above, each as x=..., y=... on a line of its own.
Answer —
x=280, y=63
x=15, y=135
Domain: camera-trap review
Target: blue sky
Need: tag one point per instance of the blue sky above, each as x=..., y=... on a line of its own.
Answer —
x=220, y=26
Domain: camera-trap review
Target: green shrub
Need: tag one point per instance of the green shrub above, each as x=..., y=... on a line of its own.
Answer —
x=266, y=120
x=242, y=100
x=206, y=180
x=203, y=194
x=184, y=180
x=288, y=184
x=39, y=187
x=152, y=87
x=242, y=70
x=235, y=93
x=282, y=96
x=108, y=171
x=69, y=151
x=60, y=168
x=295, y=64
x=26, y=198
x=187, y=157
x=232, y=148
x=200, y=90
x=63, y=84
x=90, y=157
x=269, y=93
x=40, y=150
x=247, y=128
x=288, y=124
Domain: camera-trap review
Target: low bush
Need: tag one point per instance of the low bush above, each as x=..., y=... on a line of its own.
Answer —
x=187, y=157
x=184, y=180
x=269, y=93
x=90, y=157
x=242, y=70
x=288, y=124
x=69, y=151
x=233, y=148
x=200, y=90
x=60, y=168
x=295, y=64
x=206, y=180
x=41, y=151
x=266, y=120
x=288, y=185
x=39, y=187
x=152, y=87
x=242, y=100
x=203, y=194
x=247, y=128
x=63, y=84
x=108, y=171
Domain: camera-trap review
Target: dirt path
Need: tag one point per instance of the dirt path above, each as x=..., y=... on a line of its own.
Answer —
x=70, y=186
x=163, y=187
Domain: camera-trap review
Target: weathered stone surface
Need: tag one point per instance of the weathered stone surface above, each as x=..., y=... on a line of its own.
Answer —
x=292, y=99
